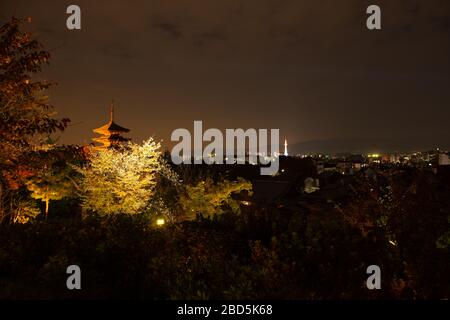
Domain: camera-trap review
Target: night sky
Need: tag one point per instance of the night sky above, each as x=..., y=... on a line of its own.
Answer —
x=309, y=68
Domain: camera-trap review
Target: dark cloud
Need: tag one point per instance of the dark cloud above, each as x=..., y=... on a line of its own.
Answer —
x=168, y=28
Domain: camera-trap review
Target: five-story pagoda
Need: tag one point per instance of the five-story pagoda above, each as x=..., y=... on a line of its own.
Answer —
x=111, y=133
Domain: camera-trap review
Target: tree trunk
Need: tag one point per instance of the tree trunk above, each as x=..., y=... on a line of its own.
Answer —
x=1, y=201
x=47, y=200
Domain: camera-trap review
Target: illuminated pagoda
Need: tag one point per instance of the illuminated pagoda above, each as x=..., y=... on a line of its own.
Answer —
x=111, y=133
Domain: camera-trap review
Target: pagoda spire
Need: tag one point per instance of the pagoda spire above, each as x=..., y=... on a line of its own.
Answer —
x=111, y=111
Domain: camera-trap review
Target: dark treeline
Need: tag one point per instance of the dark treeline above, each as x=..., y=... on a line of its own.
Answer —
x=280, y=251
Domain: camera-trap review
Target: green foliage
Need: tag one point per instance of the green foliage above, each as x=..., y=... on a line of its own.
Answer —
x=26, y=210
x=49, y=185
x=444, y=241
x=209, y=198
x=51, y=175
x=122, y=180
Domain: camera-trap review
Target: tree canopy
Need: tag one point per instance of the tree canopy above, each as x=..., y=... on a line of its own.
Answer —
x=26, y=117
x=122, y=180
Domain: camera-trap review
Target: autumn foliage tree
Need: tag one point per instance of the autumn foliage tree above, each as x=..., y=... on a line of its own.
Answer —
x=26, y=117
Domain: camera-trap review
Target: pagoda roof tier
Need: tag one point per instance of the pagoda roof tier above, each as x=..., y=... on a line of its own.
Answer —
x=112, y=138
x=110, y=128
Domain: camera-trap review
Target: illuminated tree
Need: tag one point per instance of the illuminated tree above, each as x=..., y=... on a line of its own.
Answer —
x=25, y=115
x=208, y=198
x=52, y=176
x=444, y=240
x=50, y=185
x=26, y=209
x=122, y=180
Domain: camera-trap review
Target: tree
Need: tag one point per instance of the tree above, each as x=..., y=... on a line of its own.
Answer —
x=50, y=185
x=26, y=118
x=122, y=180
x=209, y=198
x=26, y=209
x=444, y=240
x=52, y=175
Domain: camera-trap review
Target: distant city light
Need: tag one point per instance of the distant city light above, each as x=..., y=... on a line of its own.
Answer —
x=160, y=222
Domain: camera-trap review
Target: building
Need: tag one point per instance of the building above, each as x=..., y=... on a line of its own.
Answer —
x=444, y=159
x=111, y=133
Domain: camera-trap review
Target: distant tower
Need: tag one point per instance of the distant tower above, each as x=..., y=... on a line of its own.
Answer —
x=285, y=148
x=111, y=133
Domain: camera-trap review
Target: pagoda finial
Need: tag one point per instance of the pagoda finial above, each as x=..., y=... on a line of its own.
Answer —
x=112, y=111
